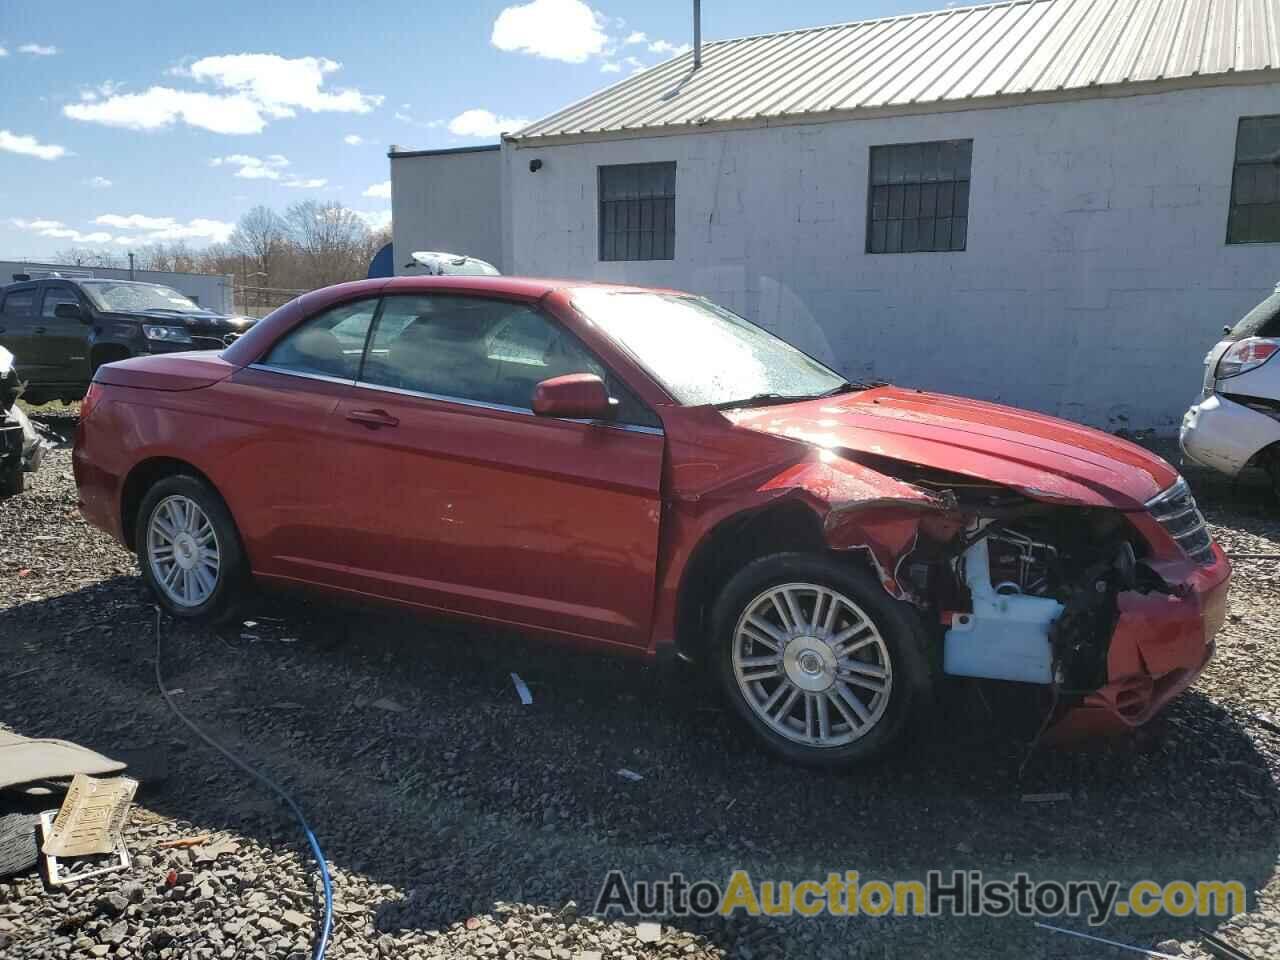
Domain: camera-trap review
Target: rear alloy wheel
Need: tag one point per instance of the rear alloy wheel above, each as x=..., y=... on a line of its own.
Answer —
x=189, y=549
x=819, y=661
x=183, y=550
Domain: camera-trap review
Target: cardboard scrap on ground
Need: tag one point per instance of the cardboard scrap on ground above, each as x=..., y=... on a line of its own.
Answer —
x=92, y=817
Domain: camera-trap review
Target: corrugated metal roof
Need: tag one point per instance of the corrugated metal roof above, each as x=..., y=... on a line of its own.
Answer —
x=1024, y=48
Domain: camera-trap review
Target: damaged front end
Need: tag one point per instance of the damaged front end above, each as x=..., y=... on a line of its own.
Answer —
x=1113, y=611
x=21, y=449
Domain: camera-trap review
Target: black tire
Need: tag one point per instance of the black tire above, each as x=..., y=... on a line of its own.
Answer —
x=19, y=850
x=232, y=582
x=899, y=627
x=12, y=480
x=1271, y=462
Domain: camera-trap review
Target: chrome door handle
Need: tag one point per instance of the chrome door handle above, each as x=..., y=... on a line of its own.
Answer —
x=373, y=419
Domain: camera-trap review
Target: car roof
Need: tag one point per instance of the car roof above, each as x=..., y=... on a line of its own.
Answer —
x=524, y=288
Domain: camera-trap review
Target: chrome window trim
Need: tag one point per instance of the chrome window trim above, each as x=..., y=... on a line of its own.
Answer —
x=502, y=408
x=271, y=368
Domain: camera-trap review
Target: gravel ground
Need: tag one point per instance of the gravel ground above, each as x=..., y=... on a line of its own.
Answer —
x=458, y=822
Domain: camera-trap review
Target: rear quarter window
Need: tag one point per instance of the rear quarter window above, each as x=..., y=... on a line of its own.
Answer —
x=1262, y=321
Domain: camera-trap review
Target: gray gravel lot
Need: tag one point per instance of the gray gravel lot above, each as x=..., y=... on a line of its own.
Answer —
x=459, y=822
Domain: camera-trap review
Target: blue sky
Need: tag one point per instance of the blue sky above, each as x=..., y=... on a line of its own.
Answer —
x=126, y=123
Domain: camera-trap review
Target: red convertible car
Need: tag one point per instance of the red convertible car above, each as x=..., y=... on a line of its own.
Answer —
x=645, y=472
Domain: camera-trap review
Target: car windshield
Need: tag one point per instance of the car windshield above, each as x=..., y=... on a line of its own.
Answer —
x=701, y=352
x=129, y=297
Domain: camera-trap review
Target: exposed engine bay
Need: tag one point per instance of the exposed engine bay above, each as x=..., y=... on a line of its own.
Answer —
x=1025, y=590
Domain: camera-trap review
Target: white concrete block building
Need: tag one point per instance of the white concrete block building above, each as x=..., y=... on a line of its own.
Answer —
x=446, y=200
x=1053, y=203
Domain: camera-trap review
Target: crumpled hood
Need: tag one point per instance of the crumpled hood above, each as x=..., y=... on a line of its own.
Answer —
x=1041, y=456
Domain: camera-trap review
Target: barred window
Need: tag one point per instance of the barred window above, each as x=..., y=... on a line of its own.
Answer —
x=638, y=211
x=1255, y=182
x=918, y=198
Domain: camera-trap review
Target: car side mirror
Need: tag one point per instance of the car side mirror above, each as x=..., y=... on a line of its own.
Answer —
x=69, y=311
x=575, y=396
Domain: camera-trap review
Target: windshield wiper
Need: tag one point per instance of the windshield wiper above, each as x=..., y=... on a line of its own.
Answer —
x=847, y=387
x=762, y=400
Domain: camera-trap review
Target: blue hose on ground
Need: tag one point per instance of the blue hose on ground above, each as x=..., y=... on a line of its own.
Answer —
x=322, y=942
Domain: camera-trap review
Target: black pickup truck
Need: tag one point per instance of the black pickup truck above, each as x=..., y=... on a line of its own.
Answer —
x=62, y=329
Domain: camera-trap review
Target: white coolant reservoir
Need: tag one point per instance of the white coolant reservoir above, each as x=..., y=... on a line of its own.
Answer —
x=1006, y=637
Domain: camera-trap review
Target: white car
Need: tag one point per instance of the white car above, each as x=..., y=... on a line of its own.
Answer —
x=1236, y=423
x=436, y=264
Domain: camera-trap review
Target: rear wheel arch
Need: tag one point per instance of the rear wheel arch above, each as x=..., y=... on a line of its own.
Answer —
x=145, y=475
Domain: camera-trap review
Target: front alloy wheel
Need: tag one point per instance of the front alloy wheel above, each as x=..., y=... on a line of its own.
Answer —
x=183, y=550
x=812, y=665
x=817, y=659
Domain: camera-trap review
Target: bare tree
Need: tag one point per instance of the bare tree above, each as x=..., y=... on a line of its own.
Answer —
x=88, y=257
x=274, y=257
x=331, y=241
x=176, y=256
x=260, y=237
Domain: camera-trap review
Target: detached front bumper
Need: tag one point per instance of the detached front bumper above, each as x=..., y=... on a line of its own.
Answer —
x=1161, y=643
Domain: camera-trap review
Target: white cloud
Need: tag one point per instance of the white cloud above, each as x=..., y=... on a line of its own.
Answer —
x=162, y=106
x=135, y=221
x=662, y=46
x=105, y=89
x=30, y=146
x=149, y=229
x=60, y=231
x=482, y=123
x=636, y=36
x=353, y=139
x=261, y=85
x=100, y=183
x=37, y=50
x=280, y=84
x=380, y=191
x=168, y=228
x=253, y=168
x=567, y=30
x=376, y=220
x=610, y=66
x=3, y=52
x=406, y=118
x=300, y=184
x=36, y=224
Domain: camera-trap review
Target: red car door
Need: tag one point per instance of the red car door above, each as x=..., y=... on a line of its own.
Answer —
x=476, y=505
x=282, y=474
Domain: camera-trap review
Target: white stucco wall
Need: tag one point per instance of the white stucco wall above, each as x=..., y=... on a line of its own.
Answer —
x=447, y=201
x=1096, y=275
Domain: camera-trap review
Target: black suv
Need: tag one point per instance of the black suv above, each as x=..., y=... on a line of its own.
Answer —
x=62, y=329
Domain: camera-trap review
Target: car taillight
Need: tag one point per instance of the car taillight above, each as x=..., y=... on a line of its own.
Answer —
x=1246, y=355
x=90, y=401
